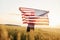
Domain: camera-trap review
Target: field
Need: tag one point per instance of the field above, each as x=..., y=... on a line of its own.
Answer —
x=15, y=32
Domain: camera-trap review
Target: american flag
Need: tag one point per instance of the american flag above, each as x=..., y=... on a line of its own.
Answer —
x=38, y=17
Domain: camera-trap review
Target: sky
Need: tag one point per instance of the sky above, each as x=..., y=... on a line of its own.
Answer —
x=10, y=14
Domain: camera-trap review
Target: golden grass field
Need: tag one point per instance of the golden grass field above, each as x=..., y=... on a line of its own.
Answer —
x=15, y=32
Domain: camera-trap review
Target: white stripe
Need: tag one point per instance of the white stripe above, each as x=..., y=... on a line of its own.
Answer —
x=35, y=22
x=39, y=20
x=28, y=11
x=38, y=23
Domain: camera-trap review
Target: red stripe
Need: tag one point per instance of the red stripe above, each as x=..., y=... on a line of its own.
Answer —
x=28, y=14
x=26, y=10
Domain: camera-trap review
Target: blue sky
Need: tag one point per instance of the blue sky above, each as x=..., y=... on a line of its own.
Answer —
x=9, y=9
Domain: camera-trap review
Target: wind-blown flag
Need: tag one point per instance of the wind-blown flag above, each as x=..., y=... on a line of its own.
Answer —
x=38, y=17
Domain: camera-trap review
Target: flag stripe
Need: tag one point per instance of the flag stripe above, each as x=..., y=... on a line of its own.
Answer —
x=28, y=14
x=41, y=17
x=28, y=11
x=37, y=20
x=37, y=23
x=25, y=9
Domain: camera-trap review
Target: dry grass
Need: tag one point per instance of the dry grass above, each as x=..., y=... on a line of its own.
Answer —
x=13, y=32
